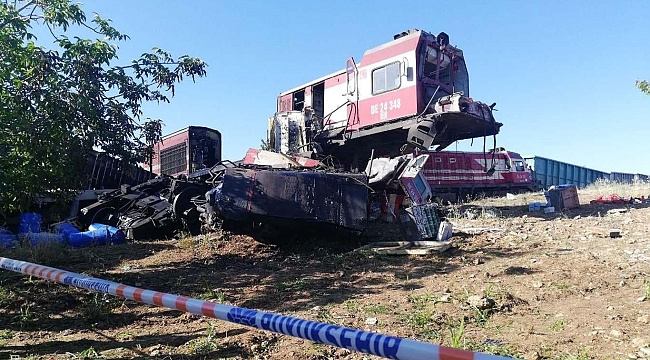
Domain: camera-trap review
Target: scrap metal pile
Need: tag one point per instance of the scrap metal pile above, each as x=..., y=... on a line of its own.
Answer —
x=265, y=187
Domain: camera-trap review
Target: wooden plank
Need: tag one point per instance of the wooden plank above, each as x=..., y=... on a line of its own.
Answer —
x=613, y=233
x=406, y=247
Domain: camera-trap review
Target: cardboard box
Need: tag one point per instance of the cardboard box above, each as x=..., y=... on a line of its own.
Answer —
x=564, y=197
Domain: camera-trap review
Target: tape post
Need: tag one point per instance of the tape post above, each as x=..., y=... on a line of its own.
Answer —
x=371, y=343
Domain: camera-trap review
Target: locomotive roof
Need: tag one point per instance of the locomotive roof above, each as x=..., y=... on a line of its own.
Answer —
x=336, y=73
x=405, y=36
x=185, y=129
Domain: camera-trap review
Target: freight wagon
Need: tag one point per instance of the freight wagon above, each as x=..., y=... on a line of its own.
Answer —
x=106, y=172
x=627, y=178
x=548, y=172
x=102, y=173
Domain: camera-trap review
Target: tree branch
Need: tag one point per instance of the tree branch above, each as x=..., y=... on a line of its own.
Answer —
x=52, y=32
x=33, y=9
x=8, y=21
x=93, y=29
x=160, y=63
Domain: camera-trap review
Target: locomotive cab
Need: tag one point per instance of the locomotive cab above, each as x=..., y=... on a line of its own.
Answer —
x=449, y=113
x=519, y=171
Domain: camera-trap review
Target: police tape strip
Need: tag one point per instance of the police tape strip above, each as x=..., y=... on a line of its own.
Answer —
x=352, y=339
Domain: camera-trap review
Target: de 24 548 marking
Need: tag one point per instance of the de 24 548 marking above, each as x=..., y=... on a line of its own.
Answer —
x=383, y=108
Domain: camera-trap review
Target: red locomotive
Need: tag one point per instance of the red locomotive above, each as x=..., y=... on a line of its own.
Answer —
x=456, y=174
x=413, y=90
x=453, y=175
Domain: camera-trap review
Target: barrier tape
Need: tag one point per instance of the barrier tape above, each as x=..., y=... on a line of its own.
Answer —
x=353, y=339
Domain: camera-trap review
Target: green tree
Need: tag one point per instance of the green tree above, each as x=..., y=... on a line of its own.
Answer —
x=264, y=145
x=58, y=104
x=152, y=133
x=644, y=86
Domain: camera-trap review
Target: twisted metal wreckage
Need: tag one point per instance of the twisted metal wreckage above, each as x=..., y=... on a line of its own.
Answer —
x=265, y=188
x=271, y=189
x=240, y=193
x=403, y=98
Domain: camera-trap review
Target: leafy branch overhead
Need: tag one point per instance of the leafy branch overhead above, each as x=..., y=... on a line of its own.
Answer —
x=644, y=86
x=59, y=104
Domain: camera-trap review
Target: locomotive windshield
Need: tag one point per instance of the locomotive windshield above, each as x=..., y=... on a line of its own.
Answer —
x=444, y=73
x=437, y=69
x=461, y=77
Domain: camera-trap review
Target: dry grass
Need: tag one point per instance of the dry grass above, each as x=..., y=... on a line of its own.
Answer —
x=607, y=187
x=47, y=252
x=602, y=187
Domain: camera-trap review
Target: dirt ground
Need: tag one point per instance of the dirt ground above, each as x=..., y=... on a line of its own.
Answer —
x=536, y=286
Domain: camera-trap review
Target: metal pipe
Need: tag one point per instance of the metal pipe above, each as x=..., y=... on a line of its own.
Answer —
x=372, y=157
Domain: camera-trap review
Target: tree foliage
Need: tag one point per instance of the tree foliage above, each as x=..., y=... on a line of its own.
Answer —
x=57, y=105
x=264, y=145
x=644, y=86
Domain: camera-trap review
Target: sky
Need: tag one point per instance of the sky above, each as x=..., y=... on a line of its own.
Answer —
x=561, y=72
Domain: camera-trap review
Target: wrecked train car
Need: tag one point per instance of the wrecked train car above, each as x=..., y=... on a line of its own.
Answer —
x=413, y=90
x=180, y=153
x=236, y=193
x=152, y=209
x=336, y=199
x=186, y=151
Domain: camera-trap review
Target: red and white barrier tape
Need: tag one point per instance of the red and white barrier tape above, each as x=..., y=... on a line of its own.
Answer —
x=353, y=339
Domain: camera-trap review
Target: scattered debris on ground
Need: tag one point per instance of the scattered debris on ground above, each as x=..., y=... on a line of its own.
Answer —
x=518, y=284
x=407, y=247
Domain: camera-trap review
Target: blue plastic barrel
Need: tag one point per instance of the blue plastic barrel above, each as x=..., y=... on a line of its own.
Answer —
x=30, y=223
x=43, y=238
x=7, y=239
x=87, y=238
x=97, y=234
x=66, y=229
x=117, y=235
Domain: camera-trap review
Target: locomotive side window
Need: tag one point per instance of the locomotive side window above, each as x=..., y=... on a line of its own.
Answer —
x=519, y=166
x=438, y=159
x=452, y=160
x=386, y=78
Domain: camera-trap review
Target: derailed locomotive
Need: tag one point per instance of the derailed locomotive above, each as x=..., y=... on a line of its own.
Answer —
x=409, y=93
